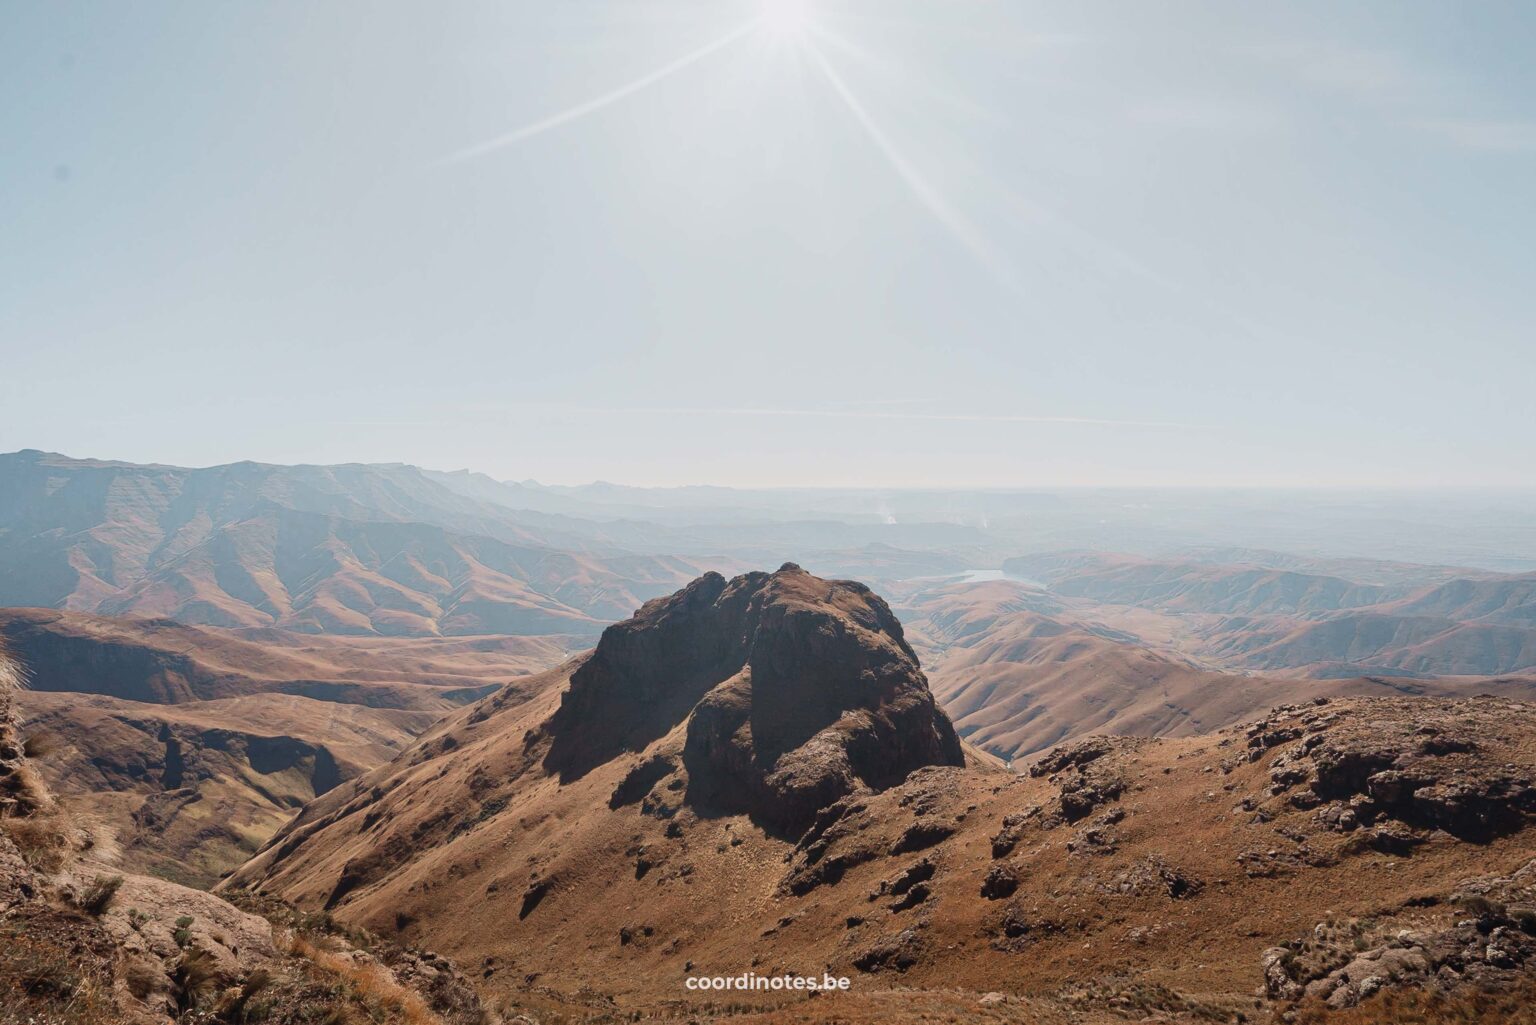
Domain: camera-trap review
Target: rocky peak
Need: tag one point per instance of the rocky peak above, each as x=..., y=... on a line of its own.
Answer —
x=795, y=691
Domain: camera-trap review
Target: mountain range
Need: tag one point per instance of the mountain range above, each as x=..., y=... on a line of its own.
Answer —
x=393, y=550
x=453, y=750
x=343, y=549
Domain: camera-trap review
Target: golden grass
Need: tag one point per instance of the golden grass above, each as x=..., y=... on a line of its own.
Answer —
x=30, y=792
x=12, y=677
x=1515, y=1006
x=42, y=982
x=43, y=840
x=366, y=983
x=98, y=896
x=24, y=792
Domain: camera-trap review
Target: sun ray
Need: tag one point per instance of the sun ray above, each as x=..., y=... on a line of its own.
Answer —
x=599, y=102
x=925, y=192
x=893, y=72
x=1107, y=257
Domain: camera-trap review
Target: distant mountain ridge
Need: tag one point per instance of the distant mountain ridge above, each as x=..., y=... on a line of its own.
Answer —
x=395, y=550
x=1197, y=587
x=1411, y=622
x=337, y=549
x=1018, y=670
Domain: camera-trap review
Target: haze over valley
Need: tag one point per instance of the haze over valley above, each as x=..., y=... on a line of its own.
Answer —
x=202, y=609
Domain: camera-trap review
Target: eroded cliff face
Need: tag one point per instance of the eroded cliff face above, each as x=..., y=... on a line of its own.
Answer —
x=794, y=691
x=187, y=801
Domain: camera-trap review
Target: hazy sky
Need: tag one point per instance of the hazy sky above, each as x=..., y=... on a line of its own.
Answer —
x=879, y=242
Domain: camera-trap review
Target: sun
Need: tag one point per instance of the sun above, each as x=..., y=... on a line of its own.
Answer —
x=786, y=18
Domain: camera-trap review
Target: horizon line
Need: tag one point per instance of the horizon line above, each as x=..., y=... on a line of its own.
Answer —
x=993, y=488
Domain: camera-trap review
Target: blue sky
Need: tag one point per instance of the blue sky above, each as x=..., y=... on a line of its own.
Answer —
x=848, y=243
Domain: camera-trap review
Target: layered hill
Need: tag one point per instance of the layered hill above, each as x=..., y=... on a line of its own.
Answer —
x=337, y=549
x=1021, y=669
x=164, y=662
x=1035, y=682
x=1189, y=586
x=189, y=792
x=1387, y=619
x=1347, y=644
x=751, y=775
x=1506, y=601
x=190, y=746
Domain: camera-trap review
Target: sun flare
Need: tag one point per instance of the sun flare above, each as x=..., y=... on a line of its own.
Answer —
x=786, y=18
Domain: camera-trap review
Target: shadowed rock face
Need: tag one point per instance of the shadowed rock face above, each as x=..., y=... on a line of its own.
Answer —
x=796, y=691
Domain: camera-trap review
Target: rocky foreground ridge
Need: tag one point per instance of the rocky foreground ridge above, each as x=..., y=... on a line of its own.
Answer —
x=750, y=774
x=82, y=944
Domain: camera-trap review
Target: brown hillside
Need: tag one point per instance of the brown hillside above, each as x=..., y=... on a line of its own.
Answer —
x=190, y=791
x=1020, y=670
x=1188, y=586
x=1345, y=643
x=1118, y=873
x=191, y=746
x=82, y=943
x=164, y=662
x=1389, y=620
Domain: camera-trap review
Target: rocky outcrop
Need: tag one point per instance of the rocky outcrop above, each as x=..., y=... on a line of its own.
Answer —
x=891, y=953
x=795, y=691
x=1001, y=881
x=1484, y=937
x=1398, y=776
x=1085, y=777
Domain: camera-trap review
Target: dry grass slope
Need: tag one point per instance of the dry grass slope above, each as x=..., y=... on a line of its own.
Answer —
x=1118, y=876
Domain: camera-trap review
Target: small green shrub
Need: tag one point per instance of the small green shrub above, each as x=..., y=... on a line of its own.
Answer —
x=183, y=933
x=99, y=894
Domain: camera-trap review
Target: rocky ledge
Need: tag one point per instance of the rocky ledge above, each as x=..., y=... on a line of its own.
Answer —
x=1398, y=774
x=1485, y=938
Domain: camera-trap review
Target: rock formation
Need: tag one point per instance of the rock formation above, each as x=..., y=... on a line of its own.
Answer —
x=1483, y=936
x=1397, y=776
x=796, y=692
